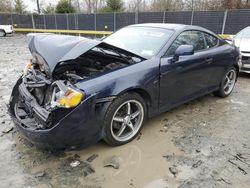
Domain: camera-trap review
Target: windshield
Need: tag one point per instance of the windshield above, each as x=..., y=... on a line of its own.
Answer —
x=143, y=41
x=245, y=33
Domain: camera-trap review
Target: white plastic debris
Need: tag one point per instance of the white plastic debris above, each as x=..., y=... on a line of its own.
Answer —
x=74, y=164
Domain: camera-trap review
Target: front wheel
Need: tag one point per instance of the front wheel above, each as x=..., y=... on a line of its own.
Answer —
x=227, y=83
x=2, y=33
x=124, y=119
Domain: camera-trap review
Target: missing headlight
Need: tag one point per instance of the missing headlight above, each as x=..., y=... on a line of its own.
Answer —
x=43, y=66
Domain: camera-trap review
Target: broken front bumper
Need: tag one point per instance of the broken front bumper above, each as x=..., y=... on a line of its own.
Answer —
x=78, y=129
x=245, y=63
x=245, y=67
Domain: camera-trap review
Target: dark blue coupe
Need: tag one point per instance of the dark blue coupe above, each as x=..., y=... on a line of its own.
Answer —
x=76, y=91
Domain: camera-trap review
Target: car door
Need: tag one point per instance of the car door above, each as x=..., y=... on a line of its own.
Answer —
x=215, y=68
x=186, y=78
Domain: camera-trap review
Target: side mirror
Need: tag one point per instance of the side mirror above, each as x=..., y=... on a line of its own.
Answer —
x=183, y=50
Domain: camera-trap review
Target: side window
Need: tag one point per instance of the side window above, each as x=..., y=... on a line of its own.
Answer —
x=210, y=40
x=194, y=38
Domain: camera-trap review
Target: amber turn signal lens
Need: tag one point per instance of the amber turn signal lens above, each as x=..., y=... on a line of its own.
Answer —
x=71, y=98
x=27, y=67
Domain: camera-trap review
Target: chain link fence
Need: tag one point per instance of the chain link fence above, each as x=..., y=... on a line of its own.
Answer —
x=220, y=22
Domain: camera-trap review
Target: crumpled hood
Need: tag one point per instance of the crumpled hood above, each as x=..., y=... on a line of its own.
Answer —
x=243, y=44
x=58, y=48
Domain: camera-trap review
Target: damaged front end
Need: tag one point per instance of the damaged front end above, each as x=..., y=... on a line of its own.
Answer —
x=46, y=105
x=49, y=111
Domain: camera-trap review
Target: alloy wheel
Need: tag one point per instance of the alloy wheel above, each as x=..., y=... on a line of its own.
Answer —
x=127, y=120
x=229, y=82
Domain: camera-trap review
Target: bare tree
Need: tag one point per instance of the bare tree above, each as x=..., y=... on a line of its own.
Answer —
x=137, y=6
x=77, y=5
x=166, y=5
x=94, y=5
x=6, y=6
x=48, y=9
x=89, y=7
x=38, y=6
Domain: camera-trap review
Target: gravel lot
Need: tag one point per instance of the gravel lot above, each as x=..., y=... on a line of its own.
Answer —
x=204, y=143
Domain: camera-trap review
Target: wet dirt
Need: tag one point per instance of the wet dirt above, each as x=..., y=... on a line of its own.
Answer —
x=204, y=143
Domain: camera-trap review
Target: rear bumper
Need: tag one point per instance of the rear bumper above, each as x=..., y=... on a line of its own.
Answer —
x=78, y=129
x=10, y=32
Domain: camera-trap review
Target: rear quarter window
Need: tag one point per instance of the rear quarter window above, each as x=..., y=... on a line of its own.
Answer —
x=210, y=40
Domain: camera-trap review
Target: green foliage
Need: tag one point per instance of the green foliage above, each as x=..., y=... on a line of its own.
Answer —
x=113, y=6
x=20, y=7
x=64, y=6
x=105, y=9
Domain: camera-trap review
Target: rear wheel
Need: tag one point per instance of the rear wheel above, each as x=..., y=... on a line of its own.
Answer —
x=227, y=83
x=124, y=119
x=2, y=33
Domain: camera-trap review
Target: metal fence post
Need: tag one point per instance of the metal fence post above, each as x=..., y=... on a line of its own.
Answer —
x=77, y=23
x=192, y=18
x=12, y=23
x=164, y=17
x=136, y=17
x=95, y=23
x=75, y=20
x=114, y=21
x=55, y=21
x=224, y=22
x=67, y=18
x=44, y=22
x=33, y=21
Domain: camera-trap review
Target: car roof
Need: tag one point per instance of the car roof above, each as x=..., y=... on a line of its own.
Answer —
x=172, y=26
x=162, y=25
x=248, y=27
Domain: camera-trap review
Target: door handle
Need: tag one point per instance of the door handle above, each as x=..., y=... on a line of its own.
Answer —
x=209, y=60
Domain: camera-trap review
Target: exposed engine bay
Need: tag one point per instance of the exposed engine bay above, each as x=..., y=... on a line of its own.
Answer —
x=96, y=61
x=99, y=60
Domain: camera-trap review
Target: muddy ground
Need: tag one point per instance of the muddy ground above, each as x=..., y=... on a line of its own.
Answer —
x=204, y=143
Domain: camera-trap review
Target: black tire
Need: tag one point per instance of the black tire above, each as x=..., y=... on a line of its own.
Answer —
x=2, y=33
x=221, y=92
x=108, y=120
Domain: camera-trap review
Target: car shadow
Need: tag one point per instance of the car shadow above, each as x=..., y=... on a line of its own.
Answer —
x=244, y=75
